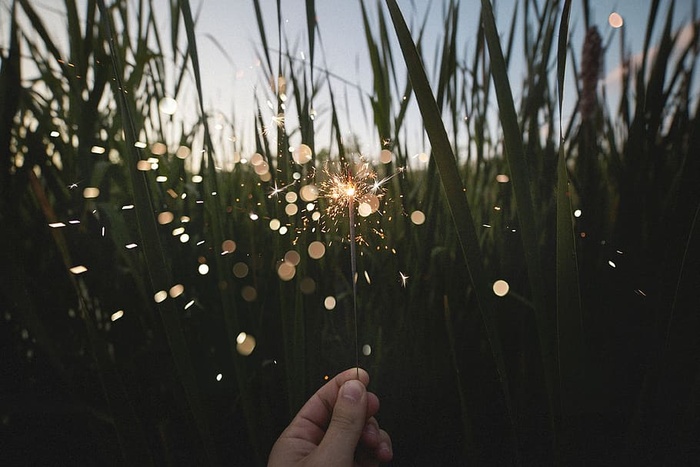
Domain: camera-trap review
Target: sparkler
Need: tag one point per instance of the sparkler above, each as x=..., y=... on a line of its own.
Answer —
x=345, y=188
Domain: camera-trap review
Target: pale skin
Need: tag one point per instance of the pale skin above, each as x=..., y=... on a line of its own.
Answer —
x=336, y=427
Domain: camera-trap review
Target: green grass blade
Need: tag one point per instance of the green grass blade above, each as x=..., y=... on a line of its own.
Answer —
x=569, y=316
x=160, y=276
x=455, y=193
x=520, y=179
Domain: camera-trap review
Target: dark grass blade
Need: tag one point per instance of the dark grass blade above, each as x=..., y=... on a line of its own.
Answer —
x=454, y=191
x=160, y=276
x=520, y=179
x=568, y=299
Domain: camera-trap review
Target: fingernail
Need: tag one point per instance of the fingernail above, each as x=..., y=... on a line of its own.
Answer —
x=384, y=447
x=371, y=431
x=352, y=390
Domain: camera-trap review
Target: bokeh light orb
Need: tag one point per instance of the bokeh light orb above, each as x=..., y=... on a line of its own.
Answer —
x=168, y=105
x=245, y=344
x=302, y=154
x=329, y=303
x=417, y=217
x=501, y=288
x=309, y=193
x=615, y=20
x=385, y=156
x=240, y=270
x=286, y=271
x=316, y=250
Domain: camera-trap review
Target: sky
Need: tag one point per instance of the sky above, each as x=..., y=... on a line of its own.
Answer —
x=229, y=45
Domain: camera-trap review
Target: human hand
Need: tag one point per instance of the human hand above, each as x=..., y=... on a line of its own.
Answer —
x=336, y=427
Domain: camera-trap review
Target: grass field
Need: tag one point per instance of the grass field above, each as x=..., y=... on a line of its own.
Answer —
x=527, y=295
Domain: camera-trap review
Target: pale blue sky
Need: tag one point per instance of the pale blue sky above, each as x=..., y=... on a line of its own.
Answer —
x=230, y=86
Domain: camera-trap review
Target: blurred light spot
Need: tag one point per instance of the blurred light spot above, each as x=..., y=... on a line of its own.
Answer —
x=91, y=192
x=612, y=264
x=131, y=246
x=417, y=217
x=367, y=278
x=228, y=246
x=275, y=224
x=502, y=178
x=140, y=145
x=249, y=293
x=290, y=197
x=127, y=207
x=184, y=219
x=189, y=304
x=296, y=176
x=184, y=238
x=168, y=105
x=286, y=271
x=78, y=269
x=178, y=231
x=196, y=179
x=245, y=346
x=240, y=270
x=316, y=216
x=143, y=165
x=302, y=154
x=283, y=230
x=404, y=279
x=366, y=350
x=310, y=206
x=117, y=314
x=615, y=20
x=165, y=217
x=97, y=150
x=159, y=149
x=329, y=303
x=257, y=159
x=309, y=193
x=182, y=153
x=162, y=179
x=176, y=290
x=316, y=250
x=160, y=296
x=253, y=216
x=292, y=257
x=54, y=134
x=423, y=157
x=577, y=213
x=291, y=209
x=56, y=225
x=219, y=376
x=385, y=156
x=364, y=209
x=501, y=288
x=307, y=285
x=203, y=269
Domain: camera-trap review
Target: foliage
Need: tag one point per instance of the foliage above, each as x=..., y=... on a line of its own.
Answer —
x=591, y=358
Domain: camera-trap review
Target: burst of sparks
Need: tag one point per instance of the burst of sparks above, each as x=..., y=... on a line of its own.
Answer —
x=350, y=184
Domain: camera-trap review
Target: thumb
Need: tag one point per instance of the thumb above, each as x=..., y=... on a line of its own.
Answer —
x=347, y=422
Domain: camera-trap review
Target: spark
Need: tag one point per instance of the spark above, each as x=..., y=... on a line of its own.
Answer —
x=276, y=190
x=404, y=279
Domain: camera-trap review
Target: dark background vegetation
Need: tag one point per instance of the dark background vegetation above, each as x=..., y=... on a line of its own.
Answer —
x=593, y=358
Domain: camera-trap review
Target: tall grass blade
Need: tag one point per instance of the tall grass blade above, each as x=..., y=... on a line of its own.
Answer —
x=454, y=191
x=569, y=318
x=160, y=276
x=520, y=179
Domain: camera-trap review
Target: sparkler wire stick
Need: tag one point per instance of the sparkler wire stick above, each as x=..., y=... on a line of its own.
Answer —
x=353, y=273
